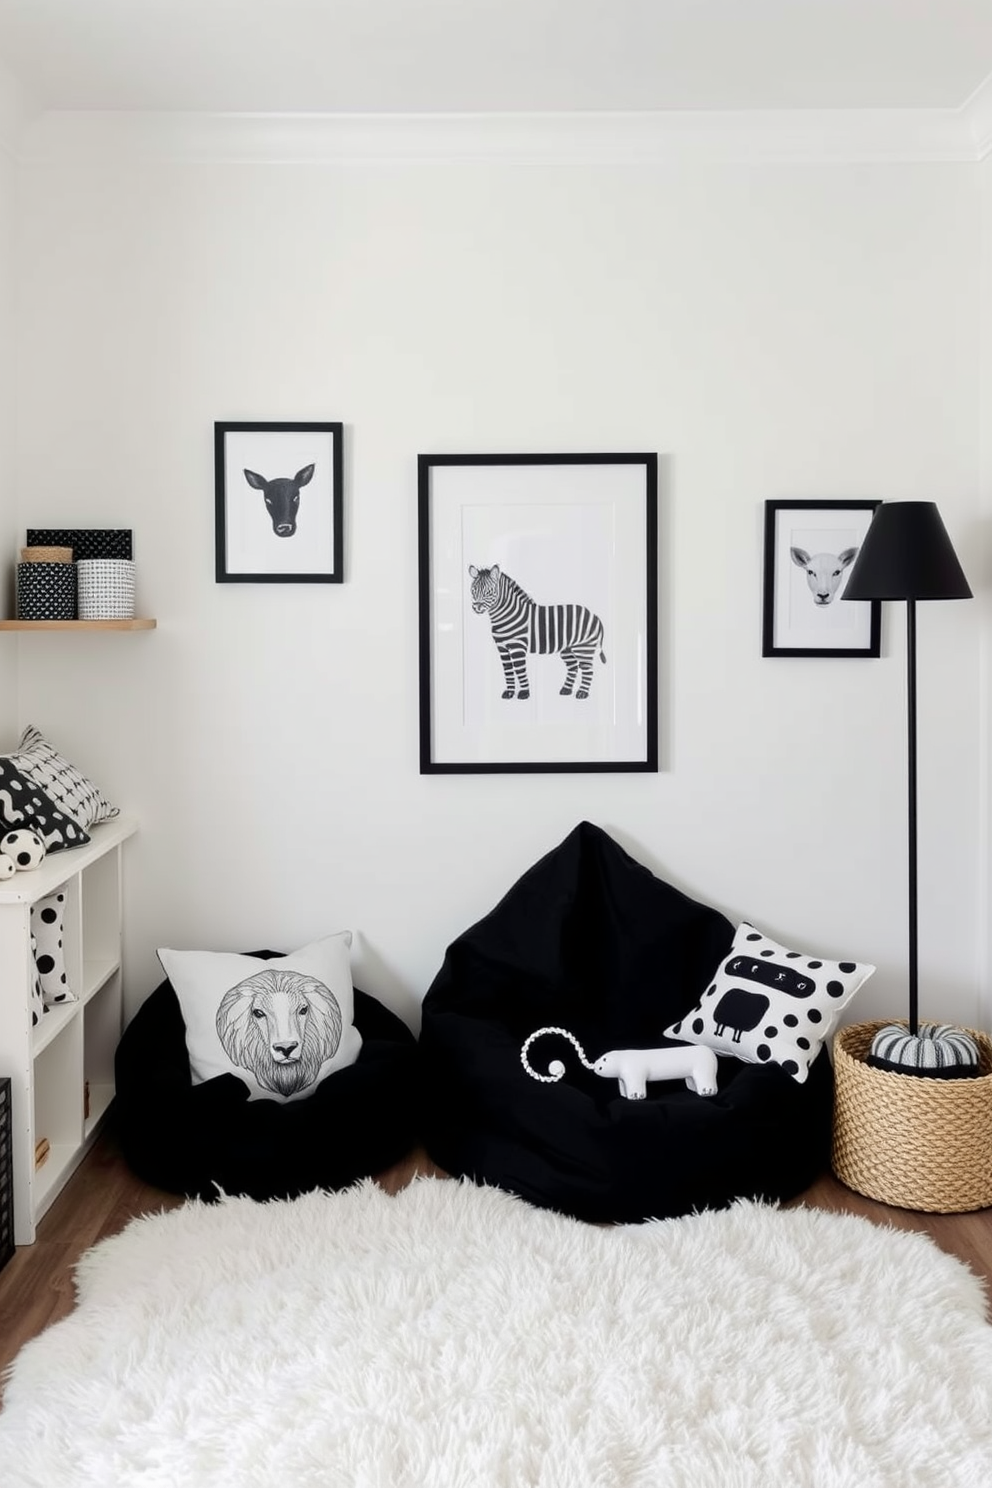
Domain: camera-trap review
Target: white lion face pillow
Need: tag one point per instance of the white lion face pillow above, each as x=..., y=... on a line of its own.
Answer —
x=281, y=1026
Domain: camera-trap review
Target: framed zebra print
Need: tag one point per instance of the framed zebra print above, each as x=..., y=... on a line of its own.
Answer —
x=538, y=612
x=278, y=503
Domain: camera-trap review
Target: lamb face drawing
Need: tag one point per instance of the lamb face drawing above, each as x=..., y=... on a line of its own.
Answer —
x=281, y=1027
x=633, y=1068
x=282, y=497
x=823, y=571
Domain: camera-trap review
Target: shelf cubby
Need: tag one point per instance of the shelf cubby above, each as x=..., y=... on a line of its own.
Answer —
x=67, y=1059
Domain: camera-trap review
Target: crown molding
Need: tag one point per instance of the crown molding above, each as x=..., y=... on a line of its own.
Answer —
x=798, y=136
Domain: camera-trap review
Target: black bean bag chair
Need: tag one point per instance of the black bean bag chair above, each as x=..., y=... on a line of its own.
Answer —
x=198, y=1139
x=591, y=941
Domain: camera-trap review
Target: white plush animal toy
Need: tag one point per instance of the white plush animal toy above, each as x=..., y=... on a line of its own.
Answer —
x=693, y=1063
x=20, y=851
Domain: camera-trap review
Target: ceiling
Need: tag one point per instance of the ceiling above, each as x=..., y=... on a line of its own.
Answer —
x=453, y=56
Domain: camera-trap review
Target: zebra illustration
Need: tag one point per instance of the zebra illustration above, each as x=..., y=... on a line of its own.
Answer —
x=520, y=626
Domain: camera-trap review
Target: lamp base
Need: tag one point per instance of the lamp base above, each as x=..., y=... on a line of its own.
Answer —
x=937, y=1052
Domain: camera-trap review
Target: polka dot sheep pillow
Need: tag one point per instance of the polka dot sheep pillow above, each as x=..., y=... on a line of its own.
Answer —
x=769, y=1005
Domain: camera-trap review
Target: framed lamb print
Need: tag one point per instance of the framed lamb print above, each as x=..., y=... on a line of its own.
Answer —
x=810, y=547
x=538, y=612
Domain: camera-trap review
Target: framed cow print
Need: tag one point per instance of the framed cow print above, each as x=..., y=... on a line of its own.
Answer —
x=538, y=612
x=278, y=503
x=810, y=547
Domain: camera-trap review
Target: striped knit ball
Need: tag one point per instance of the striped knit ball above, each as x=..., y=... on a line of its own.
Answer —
x=938, y=1049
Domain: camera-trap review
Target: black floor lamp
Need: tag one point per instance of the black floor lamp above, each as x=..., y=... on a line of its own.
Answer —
x=907, y=555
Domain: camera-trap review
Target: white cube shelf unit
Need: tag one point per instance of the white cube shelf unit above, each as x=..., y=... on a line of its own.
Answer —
x=62, y=1069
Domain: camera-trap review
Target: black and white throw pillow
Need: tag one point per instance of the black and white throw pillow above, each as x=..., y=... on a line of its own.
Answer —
x=68, y=787
x=48, y=930
x=768, y=1005
x=281, y=1026
x=23, y=803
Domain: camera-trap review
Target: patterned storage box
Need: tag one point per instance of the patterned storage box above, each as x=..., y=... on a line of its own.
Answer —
x=6, y=1175
x=46, y=591
x=106, y=589
x=85, y=542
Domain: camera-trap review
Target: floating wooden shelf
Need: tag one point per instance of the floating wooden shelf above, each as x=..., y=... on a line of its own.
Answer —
x=78, y=624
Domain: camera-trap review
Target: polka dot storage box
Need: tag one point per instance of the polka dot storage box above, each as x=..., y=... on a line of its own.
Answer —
x=106, y=588
x=46, y=591
x=85, y=542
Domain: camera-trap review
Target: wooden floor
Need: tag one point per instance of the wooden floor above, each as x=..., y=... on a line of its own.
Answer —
x=103, y=1195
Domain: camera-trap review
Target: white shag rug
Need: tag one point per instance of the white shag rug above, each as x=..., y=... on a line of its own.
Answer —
x=455, y=1337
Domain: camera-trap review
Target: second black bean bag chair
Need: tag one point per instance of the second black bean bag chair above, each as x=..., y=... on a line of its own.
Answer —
x=590, y=940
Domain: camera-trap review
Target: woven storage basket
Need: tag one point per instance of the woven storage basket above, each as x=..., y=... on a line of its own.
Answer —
x=907, y=1140
x=46, y=555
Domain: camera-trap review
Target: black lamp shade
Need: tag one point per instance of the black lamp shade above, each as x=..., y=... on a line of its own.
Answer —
x=907, y=554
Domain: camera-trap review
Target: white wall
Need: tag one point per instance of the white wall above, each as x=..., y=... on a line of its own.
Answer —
x=773, y=331
x=10, y=112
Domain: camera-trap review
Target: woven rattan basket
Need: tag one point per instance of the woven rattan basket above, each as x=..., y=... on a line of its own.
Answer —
x=46, y=555
x=907, y=1140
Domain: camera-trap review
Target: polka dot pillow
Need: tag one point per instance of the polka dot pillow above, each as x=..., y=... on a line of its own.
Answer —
x=39, y=1007
x=769, y=1005
x=48, y=934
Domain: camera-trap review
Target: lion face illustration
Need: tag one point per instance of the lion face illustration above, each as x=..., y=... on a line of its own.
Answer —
x=281, y=1026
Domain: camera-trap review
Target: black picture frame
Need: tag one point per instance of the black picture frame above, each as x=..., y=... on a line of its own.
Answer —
x=802, y=614
x=278, y=492
x=578, y=535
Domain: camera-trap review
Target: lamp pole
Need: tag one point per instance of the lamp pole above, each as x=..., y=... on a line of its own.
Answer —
x=911, y=733
x=907, y=555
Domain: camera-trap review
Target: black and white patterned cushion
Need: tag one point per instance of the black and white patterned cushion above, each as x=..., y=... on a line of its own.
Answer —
x=766, y=1004
x=23, y=803
x=85, y=542
x=936, y=1051
x=67, y=786
x=48, y=933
